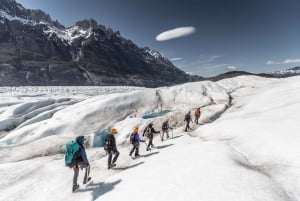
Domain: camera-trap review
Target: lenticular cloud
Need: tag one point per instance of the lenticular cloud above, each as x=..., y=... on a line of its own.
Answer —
x=175, y=33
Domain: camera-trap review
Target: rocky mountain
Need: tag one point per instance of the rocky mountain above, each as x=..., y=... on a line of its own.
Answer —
x=37, y=50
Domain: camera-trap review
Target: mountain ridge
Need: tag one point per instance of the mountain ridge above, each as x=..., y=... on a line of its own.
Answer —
x=37, y=50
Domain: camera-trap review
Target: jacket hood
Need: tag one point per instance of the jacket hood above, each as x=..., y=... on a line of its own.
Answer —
x=80, y=140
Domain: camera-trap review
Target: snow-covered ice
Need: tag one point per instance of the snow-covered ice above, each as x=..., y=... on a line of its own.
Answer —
x=245, y=149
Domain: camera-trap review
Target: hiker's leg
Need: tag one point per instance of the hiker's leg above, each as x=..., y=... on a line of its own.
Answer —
x=75, y=177
x=150, y=141
x=109, y=152
x=86, y=175
x=116, y=156
x=137, y=150
x=132, y=150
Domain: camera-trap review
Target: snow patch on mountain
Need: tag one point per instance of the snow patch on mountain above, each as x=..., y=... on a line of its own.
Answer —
x=5, y=15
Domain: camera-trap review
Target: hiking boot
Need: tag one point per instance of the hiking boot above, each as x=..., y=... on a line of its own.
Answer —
x=113, y=165
x=75, y=187
x=148, y=149
x=137, y=155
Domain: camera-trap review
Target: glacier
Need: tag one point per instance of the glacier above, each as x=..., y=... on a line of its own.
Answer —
x=246, y=147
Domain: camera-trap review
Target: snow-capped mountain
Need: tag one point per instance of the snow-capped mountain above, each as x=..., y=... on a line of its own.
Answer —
x=288, y=72
x=37, y=50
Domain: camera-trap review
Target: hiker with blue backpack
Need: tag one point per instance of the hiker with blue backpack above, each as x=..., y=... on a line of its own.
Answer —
x=165, y=128
x=135, y=141
x=110, y=147
x=76, y=158
x=149, y=132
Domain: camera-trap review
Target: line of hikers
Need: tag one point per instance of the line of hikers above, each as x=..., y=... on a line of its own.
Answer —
x=76, y=158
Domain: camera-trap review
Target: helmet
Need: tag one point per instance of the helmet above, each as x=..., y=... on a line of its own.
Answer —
x=136, y=129
x=150, y=125
x=113, y=131
x=167, y=118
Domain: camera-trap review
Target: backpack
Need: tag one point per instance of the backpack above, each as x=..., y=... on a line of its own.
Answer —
x=72, y=148
x=148, y=132
x=197, y=112
x=108, y=143
x=187, y=117
x=132, y=138
x=164, y=126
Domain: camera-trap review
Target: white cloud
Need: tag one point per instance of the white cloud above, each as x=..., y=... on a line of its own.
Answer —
x=231, y=67
x=176, y=59
x=270, y=62
x=286, y=61
x=291, y=61
x=210, y=59
x=175, y=33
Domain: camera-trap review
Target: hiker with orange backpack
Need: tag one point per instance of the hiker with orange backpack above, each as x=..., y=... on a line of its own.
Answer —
x=135, y=141
x=197, y=115
x=110, y=147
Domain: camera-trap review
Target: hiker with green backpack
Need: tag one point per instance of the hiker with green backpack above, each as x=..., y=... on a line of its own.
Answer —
x=149, y=133
x=110, y=147
x=75, y=157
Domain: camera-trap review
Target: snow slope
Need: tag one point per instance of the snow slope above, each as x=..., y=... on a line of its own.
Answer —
x=247, y=148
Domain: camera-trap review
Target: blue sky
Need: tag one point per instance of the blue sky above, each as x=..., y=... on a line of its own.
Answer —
x=218, y=35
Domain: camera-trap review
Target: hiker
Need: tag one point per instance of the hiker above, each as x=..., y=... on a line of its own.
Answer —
x=149, y=131
x=111, y=148
x=165, y=128
x=188, y=119
x=135, y=141
x=197, y=115
x=80, y=161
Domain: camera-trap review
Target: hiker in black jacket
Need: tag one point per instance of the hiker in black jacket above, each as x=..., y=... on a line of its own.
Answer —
x=149, y=132
x=80, y=161
x=111, y=148
x=188, y=119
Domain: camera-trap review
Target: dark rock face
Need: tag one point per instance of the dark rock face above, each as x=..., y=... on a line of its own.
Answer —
x=35, y=50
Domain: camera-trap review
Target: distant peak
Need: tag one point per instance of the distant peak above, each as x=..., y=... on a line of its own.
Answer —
x=87, y=24
x=15, y=11
x=11, y=7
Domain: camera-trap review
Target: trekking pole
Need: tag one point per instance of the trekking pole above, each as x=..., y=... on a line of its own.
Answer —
x=172, y=133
